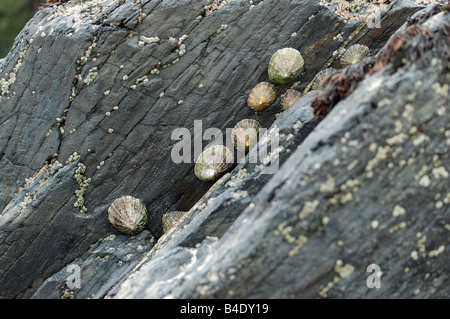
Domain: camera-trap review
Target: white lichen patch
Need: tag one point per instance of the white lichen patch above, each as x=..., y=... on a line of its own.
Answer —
x=239, y=194
x=439, y=172
x=298, y=125
x=396, y=139
x=341, y=198
x=343, y=270
x=83, y=184
x=143, y=40
x=324, y=292
x=441, y=90
x=298, y=242
x=352, y=165
x=91, y=76
x=425, y=181
x=408, y=112
x=142, y=80
x=222, y=28
x=350, y=184
x=419, y=139
x=398, y=211
x=436, y=252
x=401, y=225
x=381, y=155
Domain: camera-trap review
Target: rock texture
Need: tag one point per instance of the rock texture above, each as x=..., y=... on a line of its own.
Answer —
x=93, y=123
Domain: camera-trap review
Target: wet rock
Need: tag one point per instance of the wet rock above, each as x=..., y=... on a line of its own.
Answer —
x=360, y=200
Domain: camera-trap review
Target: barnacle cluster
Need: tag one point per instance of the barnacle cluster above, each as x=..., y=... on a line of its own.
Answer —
x=128, y=215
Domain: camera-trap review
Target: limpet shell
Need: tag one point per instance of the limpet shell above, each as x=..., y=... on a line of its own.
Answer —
x=212, y=162
x=245, y=134
x=354, y=54
x=285, y=65
x=289, y=98
x=128, y=215
x=262, y=95
x=170, y=219
x=320, y=78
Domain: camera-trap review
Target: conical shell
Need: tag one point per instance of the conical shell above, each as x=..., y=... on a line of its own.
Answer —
x=214, y=161
x=320, y=78
x=354, y=54
x=262, y=95
x=285, y=65
x=245, y=134
x=128, y=215
x=170, y=219
x=289, y=98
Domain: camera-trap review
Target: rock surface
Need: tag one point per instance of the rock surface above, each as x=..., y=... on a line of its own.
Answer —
x=368, y=185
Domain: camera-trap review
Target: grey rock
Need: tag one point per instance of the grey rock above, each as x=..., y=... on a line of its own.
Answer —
x=103, y=266
x=365, y=187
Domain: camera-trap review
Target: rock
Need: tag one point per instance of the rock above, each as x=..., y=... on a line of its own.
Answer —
x=130, y=74
x=115, y=255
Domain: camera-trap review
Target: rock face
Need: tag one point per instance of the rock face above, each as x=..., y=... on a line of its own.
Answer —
x=91, y=93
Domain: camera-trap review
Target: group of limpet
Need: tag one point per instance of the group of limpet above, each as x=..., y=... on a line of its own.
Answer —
x=129, y=215
x=284, y=66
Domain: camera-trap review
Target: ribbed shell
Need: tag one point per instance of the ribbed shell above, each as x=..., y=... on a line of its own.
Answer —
x=171, y=219
x=289, y=98
x=262, y=95
x=285, y=65
x=354, y=54
x=212, y=162
x=128, y=215
x=245, y=134
x=320, y=78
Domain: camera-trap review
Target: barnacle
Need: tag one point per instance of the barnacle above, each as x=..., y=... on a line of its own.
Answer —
x=354, y=54
x=321, y=77
x=128, y=215
x=245, y=134
x=288, y=98
x=262, y=95
x=285, y=65
x=212, y=162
